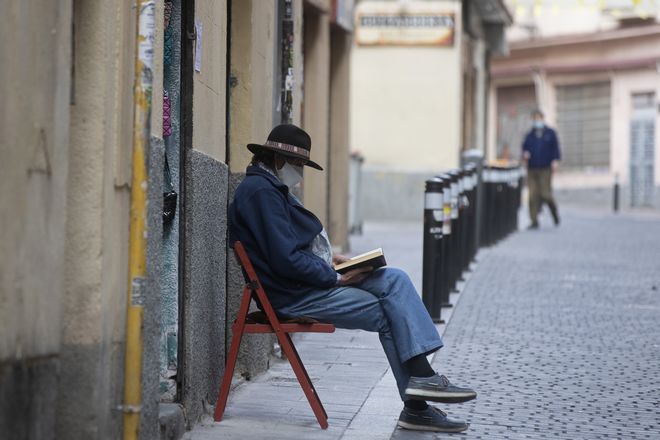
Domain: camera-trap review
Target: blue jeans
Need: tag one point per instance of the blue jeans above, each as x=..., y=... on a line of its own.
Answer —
x=386, y=302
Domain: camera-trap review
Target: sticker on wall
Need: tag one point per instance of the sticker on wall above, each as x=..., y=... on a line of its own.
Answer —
x=198, y=46
x=167, y=114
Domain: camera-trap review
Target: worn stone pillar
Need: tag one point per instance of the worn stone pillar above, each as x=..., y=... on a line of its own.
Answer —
x=315, y=118
x=339, y=138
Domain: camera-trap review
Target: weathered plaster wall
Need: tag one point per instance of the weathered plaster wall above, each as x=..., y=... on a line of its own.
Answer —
x=209, y=82
x=252, y=64
x=97, y=225
x=34, y=122
x=316, y=97
x=339, y=138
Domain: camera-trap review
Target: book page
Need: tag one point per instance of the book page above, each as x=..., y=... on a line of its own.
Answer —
x=379, y=250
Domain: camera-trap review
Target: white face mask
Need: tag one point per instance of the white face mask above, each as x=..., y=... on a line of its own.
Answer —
x=290, y=175
x=539, y=124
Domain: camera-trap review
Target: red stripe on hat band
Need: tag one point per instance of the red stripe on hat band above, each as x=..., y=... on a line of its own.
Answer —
x=287, y=147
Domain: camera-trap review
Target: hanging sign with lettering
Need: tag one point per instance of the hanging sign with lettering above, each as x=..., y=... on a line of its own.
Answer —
x=404, y=24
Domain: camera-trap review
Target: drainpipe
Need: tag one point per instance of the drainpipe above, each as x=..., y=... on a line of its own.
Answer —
x=138, y=232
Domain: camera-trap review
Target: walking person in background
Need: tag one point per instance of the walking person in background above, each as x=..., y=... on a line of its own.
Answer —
x=541, y=156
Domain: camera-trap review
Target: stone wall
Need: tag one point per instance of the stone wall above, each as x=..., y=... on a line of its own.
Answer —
x=204, y=297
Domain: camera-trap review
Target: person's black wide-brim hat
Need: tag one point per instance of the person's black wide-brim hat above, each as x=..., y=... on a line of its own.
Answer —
x=288, y=140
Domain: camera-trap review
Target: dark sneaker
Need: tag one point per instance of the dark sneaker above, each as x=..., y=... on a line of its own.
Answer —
x=437, y=389
x=429, y=419
x=533, y=226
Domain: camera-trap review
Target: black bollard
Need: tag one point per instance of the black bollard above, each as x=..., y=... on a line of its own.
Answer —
x=487, y=218
x=432, y=248
x=509, y=187
x=501, y=203
x=445, y=268
x=454, y=259
x=470, y=233
x=518, y=195
x=615, y=202
x=463, y=207
x=475, y=211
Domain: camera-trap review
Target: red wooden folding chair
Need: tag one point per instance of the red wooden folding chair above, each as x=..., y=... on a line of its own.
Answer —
x=256, y=322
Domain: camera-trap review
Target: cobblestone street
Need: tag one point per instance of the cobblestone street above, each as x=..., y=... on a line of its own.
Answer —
x=557, y=329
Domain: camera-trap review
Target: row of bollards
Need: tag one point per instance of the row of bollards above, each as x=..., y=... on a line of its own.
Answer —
x=452, y=213
x=449, y=235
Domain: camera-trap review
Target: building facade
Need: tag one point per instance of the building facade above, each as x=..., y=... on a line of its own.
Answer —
x=598, y=84
x=419, y=89
x=224, y=73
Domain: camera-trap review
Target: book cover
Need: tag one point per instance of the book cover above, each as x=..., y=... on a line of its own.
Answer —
x=374, y=259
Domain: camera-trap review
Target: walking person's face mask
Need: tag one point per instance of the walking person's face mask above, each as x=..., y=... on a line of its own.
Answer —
x=539, y=124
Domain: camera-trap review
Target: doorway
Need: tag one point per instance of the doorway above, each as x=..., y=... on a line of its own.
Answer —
x=642, y=149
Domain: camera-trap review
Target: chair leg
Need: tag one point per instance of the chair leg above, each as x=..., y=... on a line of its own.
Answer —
x=303, y=379
x=304, y=370
x=221, y=403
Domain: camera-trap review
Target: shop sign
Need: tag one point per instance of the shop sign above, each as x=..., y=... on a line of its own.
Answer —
x=404, y=24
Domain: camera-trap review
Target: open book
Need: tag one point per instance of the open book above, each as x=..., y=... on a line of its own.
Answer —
x=374, y=259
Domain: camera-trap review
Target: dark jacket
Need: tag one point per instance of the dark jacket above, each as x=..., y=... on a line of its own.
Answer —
x=542, y=150
x=277, y=231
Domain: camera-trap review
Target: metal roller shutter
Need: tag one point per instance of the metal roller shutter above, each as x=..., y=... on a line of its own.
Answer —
x=583, y=122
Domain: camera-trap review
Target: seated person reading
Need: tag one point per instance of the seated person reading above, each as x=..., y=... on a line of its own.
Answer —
x=291, y=253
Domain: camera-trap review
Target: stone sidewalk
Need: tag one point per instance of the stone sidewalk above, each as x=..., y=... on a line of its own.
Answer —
x=348, y=368
x=556, y=329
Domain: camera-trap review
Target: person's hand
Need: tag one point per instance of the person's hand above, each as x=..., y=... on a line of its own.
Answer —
x=526, y=155
x=338, y=259
x=355, y=276
x=554, y=165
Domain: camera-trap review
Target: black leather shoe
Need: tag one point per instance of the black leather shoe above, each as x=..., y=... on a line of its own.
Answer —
x=429, y=419
x=437, y=389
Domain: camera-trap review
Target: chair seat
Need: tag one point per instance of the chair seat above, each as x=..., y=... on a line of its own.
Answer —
x=290, y=328
x=257, y=322
x=259, y=317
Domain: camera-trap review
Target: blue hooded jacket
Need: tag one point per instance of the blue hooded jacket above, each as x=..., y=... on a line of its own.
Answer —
x=277, y=231
x=542, y=149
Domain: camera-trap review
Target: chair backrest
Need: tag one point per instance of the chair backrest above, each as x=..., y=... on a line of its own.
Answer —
x=256, y=289
x=250, y=275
